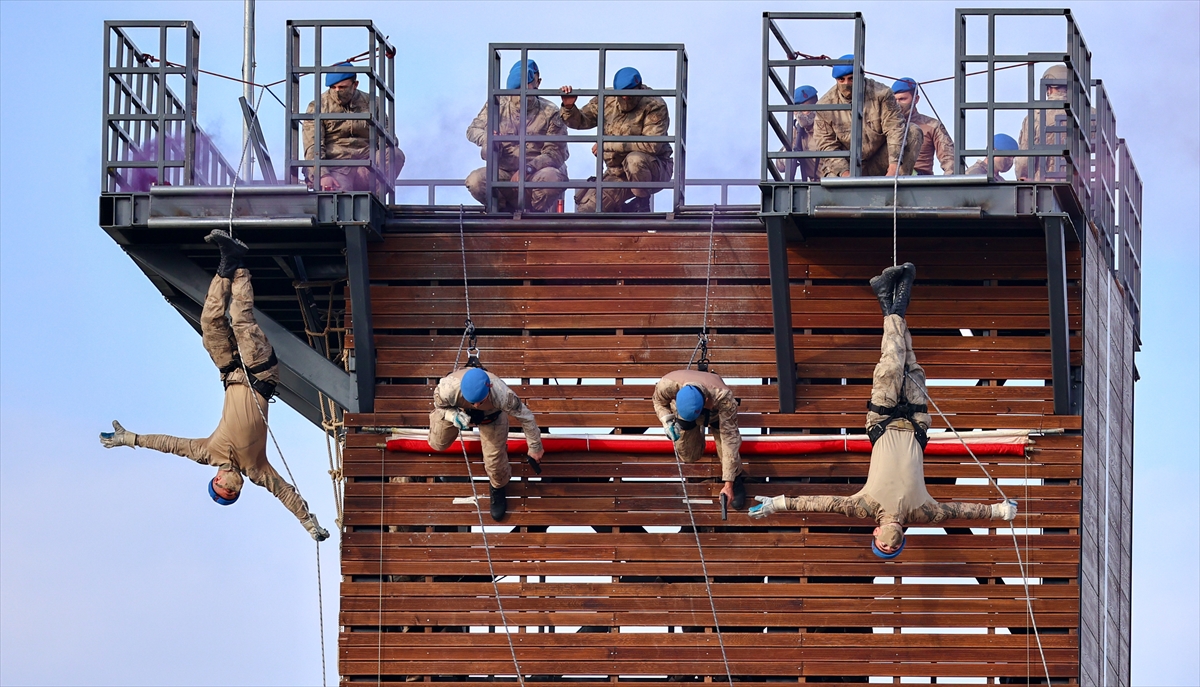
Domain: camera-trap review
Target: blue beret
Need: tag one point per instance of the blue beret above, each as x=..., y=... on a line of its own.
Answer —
x=514, y=74
x=337, y=77
x=804, y=94
x=1004, y=142
x=475, y=385
x=626, y=78
x=688, y=403
x=905, y=85
x=887, y=556
x=844, y=69
x=215, y=497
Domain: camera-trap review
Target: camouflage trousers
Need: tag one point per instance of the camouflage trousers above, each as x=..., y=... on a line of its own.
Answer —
x=877, y=164
x=540, y=199
x=896, y=355
x=226, y=336
x=635, y=166
x=493, y=437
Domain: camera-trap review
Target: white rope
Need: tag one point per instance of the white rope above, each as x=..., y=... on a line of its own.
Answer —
x=896, y=183
x=703, y=339
x=487, y=549
x=1011, y=530
x=462, y=243
x=687, y=501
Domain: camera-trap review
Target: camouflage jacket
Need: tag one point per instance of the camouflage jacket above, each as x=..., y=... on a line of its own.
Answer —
x=718, y=400
x=542, y=119
x=882, y=125
x=649, y=116
x=448, y=396
x=937, y=142
x=347, y=139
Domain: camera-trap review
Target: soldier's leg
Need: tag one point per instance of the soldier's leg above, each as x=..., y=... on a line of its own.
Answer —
x=495, y=451
x=912, y=150
x=877, y=164
x=640, y=166
x=251, y=340
x=729, y=455
x=442, y=433
x=477, y=185
x=546, y=199
x=614, y=198
x=690, y=445
x=889, y=372
x=214, y=326
x=914, y=384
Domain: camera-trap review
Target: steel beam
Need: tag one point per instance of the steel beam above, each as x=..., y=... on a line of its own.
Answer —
x=360, y=300
x=781, y=312
x=1056, y=284
x=302, y=370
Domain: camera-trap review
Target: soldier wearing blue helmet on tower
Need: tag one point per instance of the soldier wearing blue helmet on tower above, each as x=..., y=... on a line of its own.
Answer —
x=935, y=140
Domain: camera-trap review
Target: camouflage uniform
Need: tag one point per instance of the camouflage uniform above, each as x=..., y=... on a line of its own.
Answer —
x=895, y=489
x=802, y=140
x=935, y=140
x=882, y=132
x=350, y=140
x=493, y=429
x=648, y=161
x=721, y=408
x=239, y=443
x=546, y=158
x=981, y=167
x=1042, y=119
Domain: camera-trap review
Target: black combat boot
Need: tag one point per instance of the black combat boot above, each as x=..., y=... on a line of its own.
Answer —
x=884, y=287
x=739, y=492
x=499, y=503
x=232, y=251
x=904, y=289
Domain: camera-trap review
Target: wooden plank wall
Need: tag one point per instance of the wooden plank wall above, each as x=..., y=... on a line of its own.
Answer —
x=1107, y=531
x=599, y=570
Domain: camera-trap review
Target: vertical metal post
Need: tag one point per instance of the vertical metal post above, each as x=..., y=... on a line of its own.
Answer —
x=765, y=174
x=856, y=98
x=1056, y=285
x=600, y=100
x=960, y=90
x=781, y=313
x=247, y=170
x=360, y=299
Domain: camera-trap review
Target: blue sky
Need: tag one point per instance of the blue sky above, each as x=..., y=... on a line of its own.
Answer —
x=115, y=567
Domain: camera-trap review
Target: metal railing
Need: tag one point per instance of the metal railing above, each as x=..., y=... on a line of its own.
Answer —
x=150, y=134
x=432, y=185
x=380, y=162
x=677, y=140
x=1104, y=170
x=776, y=135
x=1129, y=227
x=1072, y=144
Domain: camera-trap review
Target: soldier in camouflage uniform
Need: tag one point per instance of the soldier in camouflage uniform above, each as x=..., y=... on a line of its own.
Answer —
x=471, y=397
x=686, y=401
x=625, y=115
x=882, y=129
x=348, y=139
x=1042, y=119
x=897, y=419
x=1003, y=164
x=805, y=169
x=250, y=372
x=935, y=140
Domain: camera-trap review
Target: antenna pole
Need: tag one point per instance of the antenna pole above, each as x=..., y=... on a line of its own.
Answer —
x=247, y=170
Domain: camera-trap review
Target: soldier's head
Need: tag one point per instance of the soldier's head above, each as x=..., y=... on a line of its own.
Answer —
x=804, y=95
x=475, y=386
x=532, y=76
x=342, y=84
x=1055, y=80
x=627, y=79
x=1004, y=142
x=225, y=487
x=906, y=94
x=888, y=540
x=844, y=75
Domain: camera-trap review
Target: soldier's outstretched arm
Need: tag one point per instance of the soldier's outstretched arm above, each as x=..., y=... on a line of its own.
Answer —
x=511, y=404
x=270, y=479
x=933, y=513
x=477, y=130
x=194, y=449
x=846, y=505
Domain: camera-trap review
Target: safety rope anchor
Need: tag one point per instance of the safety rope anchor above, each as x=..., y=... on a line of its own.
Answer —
x=702, y=363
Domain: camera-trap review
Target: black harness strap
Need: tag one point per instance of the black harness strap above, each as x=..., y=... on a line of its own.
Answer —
x=267, y=389
x=903, y=410
x=478, y=417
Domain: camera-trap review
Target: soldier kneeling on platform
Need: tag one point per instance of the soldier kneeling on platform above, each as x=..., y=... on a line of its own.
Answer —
x=897, y=420
x=473, y=397
x=686, y=401
x=250, y=372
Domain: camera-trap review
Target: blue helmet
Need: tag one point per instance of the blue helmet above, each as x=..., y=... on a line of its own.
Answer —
x=843, y=69
x=627, y=78
x=216, y=497
x=514, y=74
x=887, y=556
x=905, y=85
x=475, y=385
x=688, y=403
x=337, y=77
x=804, y=94
x=1004, y=142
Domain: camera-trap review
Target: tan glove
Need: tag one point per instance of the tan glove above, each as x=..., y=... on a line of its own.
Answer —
x=318, y=533
x=118, y=437
x=1005, y=510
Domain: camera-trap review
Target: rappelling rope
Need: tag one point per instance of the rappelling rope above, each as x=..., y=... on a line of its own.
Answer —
x=487, y=549
x=703, y=565
x=469, y=329
x=1012, y=528
x=702, y=340
x=896, y=183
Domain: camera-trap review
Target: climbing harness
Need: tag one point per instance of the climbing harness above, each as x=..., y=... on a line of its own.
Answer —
x=903, y=410
x=702, y=337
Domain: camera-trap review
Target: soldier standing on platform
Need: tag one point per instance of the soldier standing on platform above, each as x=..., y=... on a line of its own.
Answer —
x=935, y=140
x=625, y=115
x=686, y=401
x=250, y=372
x=897, y=419
x=470, y=397
x=802, y=138
x=1056, y=89
x=544, y=160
